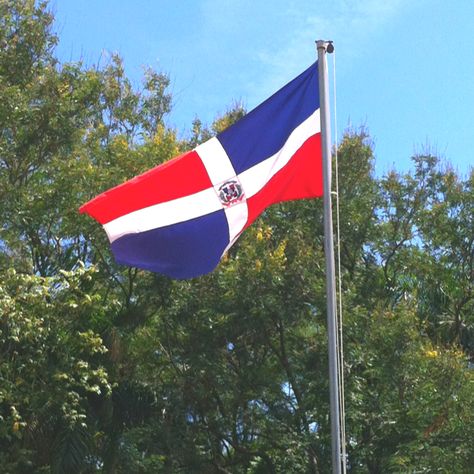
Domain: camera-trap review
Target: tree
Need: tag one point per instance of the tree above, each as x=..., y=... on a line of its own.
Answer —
x=63, y=125
x=52, y=371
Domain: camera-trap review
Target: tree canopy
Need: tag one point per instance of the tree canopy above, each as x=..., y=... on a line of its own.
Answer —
x=111, y=369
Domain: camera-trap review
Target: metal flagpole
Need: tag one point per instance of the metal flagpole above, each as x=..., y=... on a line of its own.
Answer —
x=323, y=47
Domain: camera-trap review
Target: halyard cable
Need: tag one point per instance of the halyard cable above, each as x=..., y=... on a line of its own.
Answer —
x=340, y=343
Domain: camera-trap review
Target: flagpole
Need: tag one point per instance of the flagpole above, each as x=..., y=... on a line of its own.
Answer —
x=323, y=47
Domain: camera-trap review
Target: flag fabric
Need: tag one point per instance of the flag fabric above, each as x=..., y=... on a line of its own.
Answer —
x=181, y=217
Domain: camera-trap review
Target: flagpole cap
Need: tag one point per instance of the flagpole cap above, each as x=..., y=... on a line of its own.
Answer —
x=328, y=45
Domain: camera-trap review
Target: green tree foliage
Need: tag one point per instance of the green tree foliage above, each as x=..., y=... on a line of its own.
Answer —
x=109, y=369
x=52, y=370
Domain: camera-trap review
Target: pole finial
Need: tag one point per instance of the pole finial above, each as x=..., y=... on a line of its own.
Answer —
x=327, y=45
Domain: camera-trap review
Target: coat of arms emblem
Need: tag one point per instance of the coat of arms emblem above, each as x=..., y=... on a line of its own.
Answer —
x=230, y=193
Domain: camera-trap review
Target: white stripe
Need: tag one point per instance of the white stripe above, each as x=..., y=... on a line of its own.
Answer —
x=163, y=214
x=216, y=161
x=237, y=216
x=255, y=178
x=220, y=169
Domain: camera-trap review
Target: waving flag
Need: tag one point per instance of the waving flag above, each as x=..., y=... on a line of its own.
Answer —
x=180, y=218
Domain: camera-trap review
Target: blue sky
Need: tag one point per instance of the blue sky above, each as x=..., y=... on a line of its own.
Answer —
x=405, y=68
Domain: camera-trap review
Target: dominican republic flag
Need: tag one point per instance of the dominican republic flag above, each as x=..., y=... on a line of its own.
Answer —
x=180, y=218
